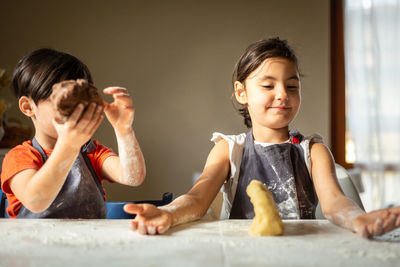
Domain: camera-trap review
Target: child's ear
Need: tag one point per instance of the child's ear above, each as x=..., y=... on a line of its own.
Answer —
x=26, y=105
x=240, y=93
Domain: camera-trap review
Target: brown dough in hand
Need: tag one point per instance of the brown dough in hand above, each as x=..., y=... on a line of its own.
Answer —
x=68, y=94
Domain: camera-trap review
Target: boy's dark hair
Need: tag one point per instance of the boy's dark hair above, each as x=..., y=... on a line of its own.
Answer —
x=252, y=58
x=36, y=73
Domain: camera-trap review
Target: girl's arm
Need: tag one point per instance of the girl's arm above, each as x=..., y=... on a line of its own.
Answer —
x=189, y=207
x=339, y=209
x=377, y=222
x=129, y=167
x=37, y=189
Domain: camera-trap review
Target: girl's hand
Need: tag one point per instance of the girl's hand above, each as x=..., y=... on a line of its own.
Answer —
x=377, y=222
x=120, y=113
x=80, y=125
x=149, y=219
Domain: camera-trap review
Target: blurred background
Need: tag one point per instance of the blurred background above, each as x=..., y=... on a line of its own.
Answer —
x=176, y=58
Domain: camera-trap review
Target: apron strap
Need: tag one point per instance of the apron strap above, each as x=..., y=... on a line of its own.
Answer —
x=36, y=145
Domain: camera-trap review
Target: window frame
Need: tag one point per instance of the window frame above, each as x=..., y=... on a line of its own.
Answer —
x=337, y=85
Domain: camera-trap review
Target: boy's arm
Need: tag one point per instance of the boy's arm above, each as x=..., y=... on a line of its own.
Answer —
x=129, y=167
x=189, y=207
x=37, y=189
x=336, y=206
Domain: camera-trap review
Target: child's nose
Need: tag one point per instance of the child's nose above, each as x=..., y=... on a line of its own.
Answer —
x=281, y=93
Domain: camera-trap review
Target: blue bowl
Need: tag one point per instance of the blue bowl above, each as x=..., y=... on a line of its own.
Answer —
x=115, y=210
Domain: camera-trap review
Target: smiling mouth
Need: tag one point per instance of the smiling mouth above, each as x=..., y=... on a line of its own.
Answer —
x=280, y=108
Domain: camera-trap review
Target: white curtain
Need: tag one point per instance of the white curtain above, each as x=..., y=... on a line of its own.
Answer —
x=372, y=65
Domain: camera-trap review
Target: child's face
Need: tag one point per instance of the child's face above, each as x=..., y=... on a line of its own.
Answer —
x=43, y=119
x=271, y=93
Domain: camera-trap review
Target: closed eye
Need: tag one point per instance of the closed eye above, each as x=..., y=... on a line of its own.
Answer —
x=268, y=86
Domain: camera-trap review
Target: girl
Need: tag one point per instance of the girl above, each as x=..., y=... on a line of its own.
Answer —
x=298, y=170
x=59, y=174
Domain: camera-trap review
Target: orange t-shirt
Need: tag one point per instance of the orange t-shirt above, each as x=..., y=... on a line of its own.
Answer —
x=25, y=156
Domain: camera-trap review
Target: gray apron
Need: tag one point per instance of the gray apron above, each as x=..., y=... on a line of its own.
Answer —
x=81, y=196
x=282, y=168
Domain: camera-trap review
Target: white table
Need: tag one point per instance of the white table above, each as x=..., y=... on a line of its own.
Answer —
x=204, y=243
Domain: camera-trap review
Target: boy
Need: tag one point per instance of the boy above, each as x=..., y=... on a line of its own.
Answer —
x=59, y=173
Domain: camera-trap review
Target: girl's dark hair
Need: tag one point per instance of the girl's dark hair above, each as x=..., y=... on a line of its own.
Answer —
x=36, y=73
x=252, y=58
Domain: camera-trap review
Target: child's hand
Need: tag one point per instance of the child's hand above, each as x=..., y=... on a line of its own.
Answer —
x=149, y=219
x=377, y=222
x=120, y=113
x=80, y=125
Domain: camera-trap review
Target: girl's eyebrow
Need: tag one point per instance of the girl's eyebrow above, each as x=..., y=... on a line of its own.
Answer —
x=266, y=77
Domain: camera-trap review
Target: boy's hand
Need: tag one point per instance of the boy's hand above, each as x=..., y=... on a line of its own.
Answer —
x=120, y=113
x=149, y=219
x=80, y=125
x=377, y=222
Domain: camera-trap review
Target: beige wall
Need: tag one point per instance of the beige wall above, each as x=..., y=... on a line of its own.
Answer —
x=176, y=59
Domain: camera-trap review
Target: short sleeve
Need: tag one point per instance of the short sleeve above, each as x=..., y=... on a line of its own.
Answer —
x=20, y=158
x=305, y=144
x=236, y=146
x=97, y=158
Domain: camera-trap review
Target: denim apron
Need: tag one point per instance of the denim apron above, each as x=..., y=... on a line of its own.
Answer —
x=81, y=196
x=282, y=168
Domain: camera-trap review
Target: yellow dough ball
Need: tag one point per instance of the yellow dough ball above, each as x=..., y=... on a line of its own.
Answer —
x=266, y=220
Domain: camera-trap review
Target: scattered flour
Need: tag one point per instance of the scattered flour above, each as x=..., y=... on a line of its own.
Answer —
x=130, y=157
x=49, y=242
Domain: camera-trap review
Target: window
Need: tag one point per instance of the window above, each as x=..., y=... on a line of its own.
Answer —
x=372, y=93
